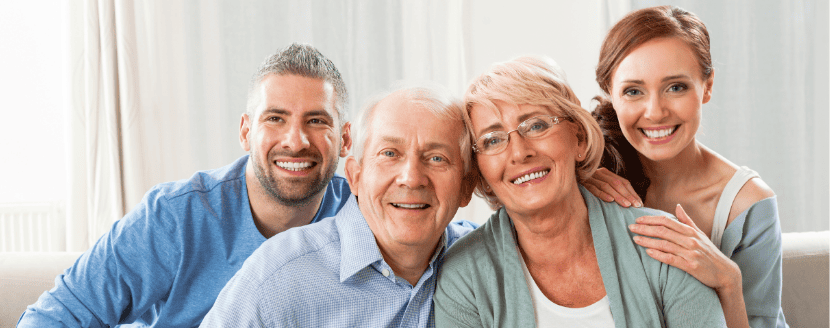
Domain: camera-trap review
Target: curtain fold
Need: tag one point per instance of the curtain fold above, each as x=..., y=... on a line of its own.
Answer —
x=96, y=194
x=158, y=87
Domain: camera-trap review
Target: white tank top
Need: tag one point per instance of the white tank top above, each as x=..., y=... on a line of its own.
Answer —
x=727, y=197
x=549, y=314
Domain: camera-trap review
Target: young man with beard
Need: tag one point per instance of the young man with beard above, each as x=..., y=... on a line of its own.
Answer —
x=165, y=262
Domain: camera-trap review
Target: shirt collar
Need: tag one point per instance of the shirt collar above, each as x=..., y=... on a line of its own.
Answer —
x=358, y=247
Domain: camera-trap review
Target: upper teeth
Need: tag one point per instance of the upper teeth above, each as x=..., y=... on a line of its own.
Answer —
x=410, y=205
x=530, y=176
x=658, y=133
x=294, y=166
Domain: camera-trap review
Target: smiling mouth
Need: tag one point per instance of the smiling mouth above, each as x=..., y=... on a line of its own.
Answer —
x=411, y=206
x=531, y=176
x=659, y=133
x=296, y=166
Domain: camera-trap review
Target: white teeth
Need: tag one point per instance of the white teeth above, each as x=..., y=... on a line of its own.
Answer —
x=654, y=134
x=530, y=176
x=410, y=206
x=294, y=166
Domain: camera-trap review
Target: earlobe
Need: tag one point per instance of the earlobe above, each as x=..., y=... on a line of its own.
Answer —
x=244, y=130
x=352, y=171
x=346, y=138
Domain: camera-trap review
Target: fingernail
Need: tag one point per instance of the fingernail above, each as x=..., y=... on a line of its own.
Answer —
x=638, y=204
x=637, y=239
x=609, y=199
x=627, y=203
x=632, y=227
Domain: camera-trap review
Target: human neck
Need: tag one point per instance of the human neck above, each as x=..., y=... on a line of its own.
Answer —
x=563, y=226
x=684, y=169
x=272, y=217
x=409, y=262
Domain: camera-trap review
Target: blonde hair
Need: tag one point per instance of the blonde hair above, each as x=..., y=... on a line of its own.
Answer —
x=535, y=80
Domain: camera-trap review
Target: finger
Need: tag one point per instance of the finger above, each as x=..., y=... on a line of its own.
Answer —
x=683, y=217
x=635, y=198
x=620, y=185
x=660, y=245
x=669, y=259
x=597, y=192
x=667, y=222
x=610, y=190
x=662, y=232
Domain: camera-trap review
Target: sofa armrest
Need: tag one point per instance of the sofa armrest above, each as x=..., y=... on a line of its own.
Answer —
x=806, y=275
x=24, y=276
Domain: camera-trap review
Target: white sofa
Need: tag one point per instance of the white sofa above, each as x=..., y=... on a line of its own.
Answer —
x=24, y=276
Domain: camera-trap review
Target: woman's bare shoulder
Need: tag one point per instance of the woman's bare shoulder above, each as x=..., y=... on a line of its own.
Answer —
x=753, y=191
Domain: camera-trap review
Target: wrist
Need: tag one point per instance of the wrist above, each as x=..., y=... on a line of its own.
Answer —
x=731, y=282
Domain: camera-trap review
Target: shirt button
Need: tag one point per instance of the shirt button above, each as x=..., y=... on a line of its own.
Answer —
x=385, y=272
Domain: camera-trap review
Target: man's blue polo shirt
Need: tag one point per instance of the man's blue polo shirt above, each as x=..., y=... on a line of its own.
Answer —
x=165, y=262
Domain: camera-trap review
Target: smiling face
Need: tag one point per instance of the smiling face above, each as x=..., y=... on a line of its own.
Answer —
x=530, y=175
x=294, y=137
x=409, y=184
x=657, y=92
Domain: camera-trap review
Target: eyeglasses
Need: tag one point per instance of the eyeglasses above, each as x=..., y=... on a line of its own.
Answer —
x=495, y=142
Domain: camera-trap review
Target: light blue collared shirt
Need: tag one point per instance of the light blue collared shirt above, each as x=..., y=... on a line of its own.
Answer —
x=328, y=274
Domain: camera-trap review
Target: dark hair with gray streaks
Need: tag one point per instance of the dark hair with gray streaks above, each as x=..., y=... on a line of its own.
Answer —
x=303, y=60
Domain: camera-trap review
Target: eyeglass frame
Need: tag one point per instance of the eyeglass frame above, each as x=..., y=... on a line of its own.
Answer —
x=556, y=120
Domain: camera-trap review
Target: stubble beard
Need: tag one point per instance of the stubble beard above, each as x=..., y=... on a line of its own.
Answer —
x=281, y=191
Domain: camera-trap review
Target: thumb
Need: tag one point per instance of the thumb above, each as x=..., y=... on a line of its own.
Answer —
x=683, y=217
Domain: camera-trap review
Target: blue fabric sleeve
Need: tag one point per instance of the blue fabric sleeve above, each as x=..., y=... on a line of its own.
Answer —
x=753, y=241
x=689, y=303
x=119, y=278
x=237, y=304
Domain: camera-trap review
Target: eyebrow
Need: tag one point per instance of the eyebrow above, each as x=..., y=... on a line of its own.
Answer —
x=429, y=145
x=667, y=78
x=316, y=112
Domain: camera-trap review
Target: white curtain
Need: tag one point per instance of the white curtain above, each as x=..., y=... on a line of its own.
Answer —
x=158, y=87
x=769, y=108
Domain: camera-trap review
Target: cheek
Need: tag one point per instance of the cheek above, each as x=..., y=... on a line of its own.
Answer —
x=490, y=167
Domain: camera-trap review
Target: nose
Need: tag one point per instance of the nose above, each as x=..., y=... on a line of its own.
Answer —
x=519, y=148
x=655, y=110
x=412, y=173
x=295, y=139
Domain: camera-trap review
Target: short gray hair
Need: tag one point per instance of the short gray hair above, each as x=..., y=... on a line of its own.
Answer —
x=433, y=97
x=303, y=60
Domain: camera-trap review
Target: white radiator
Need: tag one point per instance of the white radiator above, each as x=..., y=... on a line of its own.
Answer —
x=32, y=227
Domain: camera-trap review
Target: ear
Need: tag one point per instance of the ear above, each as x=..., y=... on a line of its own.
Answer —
x=581, y=139
x=707, y=91
x=352, y=170
x=346, y=138
x=244, y=132
x=468, y=185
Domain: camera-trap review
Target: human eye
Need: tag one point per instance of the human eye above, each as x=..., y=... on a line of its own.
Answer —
x=438, y=159
x=491, y=141
x=388, y=153
x=537, y=125
x=274, y=118
x=318, y=121
x=632, y=92
x=678, y=87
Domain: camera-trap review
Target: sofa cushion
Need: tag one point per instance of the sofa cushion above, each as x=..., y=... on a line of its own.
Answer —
x=26, y=275
x=806, y=270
